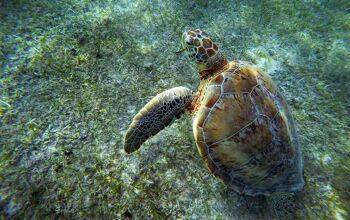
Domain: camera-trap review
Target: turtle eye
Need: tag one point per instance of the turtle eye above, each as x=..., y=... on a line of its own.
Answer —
x=188, y=40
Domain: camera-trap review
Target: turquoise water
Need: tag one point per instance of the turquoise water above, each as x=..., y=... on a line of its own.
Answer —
x=74, y=73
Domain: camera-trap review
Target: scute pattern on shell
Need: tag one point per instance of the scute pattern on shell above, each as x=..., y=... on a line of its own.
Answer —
x=245, y=133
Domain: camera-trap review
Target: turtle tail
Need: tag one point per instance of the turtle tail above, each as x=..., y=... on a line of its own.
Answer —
x=156, y=115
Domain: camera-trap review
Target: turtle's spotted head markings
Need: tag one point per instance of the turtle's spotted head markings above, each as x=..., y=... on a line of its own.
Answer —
x=203, y=50
x=199, y=47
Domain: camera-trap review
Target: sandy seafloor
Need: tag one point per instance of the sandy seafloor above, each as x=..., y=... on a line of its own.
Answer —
x=73, y=74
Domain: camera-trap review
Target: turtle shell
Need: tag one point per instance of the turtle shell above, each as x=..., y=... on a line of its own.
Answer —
x=245, y=133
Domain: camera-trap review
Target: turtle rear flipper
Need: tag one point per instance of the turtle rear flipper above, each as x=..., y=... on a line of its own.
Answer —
x=156, y=115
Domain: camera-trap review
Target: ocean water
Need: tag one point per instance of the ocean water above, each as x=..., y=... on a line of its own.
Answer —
x=74, y=73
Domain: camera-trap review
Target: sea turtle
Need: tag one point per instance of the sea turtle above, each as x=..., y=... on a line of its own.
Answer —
x=241, y=123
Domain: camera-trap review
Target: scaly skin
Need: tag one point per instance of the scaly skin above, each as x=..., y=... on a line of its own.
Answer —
x=202, y=50
x=156, y=115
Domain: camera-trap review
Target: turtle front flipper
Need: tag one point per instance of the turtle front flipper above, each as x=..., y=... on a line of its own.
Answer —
x=156, y=115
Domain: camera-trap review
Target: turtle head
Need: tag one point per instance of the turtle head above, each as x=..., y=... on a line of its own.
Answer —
x=201, y=49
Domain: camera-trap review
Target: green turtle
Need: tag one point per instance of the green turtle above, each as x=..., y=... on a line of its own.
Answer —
x=243, y=129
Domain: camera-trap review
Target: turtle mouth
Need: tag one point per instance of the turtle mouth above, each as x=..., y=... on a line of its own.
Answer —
x=180, y=51
x=184, y=44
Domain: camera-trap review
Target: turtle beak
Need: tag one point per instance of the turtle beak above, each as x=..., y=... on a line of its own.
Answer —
x=180, y=51
x=182, y=43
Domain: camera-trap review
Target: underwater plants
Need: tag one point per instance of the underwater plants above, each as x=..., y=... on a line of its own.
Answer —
x=73, y=73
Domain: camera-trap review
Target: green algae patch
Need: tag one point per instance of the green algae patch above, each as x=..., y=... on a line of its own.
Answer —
x=74, y=73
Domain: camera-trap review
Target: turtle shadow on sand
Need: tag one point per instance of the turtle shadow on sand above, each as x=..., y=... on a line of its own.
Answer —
x=276, y=206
